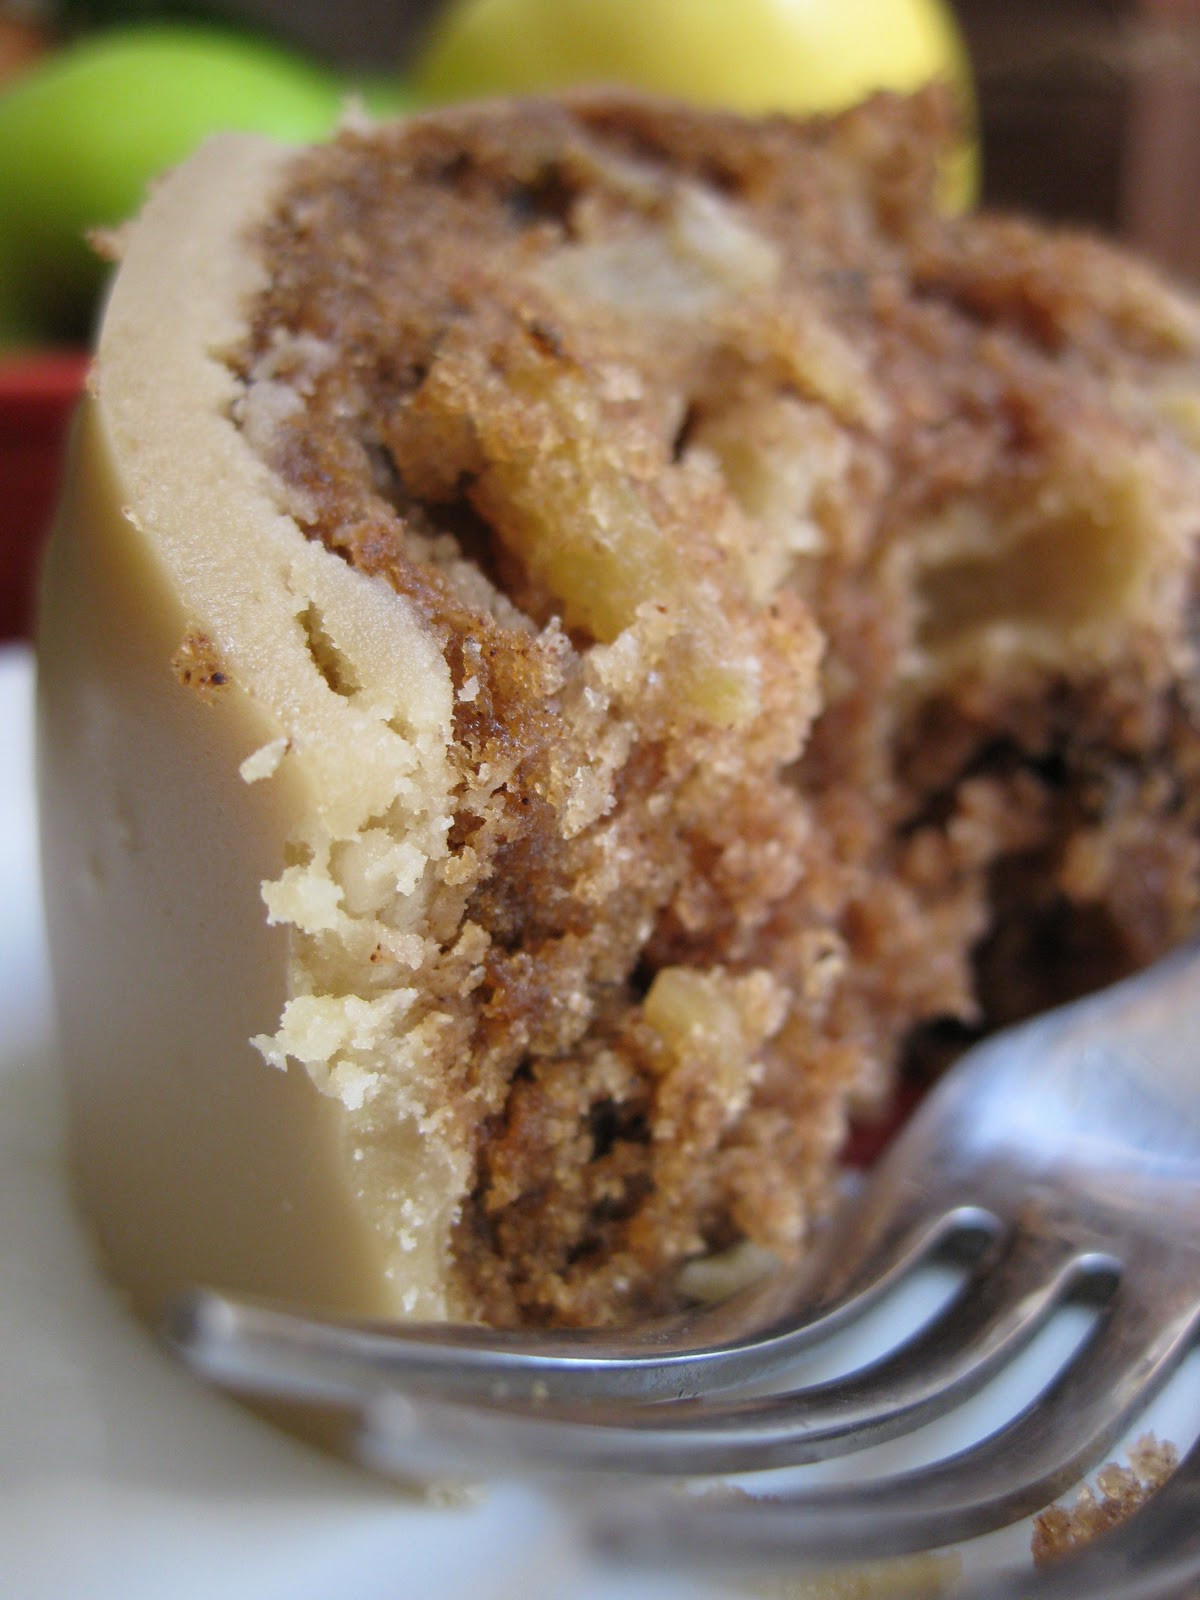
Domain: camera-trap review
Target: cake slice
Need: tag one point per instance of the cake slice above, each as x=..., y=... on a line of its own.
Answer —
x=582, y=640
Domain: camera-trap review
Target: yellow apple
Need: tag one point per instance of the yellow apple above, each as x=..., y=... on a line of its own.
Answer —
x=748, y=55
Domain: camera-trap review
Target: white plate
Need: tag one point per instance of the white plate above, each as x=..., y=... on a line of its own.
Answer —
x=121, y=1478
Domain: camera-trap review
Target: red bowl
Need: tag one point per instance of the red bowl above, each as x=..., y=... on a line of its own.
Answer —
x=38, y=391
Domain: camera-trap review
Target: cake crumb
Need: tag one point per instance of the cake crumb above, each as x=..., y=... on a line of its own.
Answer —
x=919, y=1577
x=263, y=762
x=197, y=666
x=1119, y=1492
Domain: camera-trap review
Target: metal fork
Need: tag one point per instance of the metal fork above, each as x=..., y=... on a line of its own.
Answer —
x=1064, y=1152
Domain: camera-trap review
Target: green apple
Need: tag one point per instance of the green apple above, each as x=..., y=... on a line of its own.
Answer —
x=748, y=55
x=82, y=134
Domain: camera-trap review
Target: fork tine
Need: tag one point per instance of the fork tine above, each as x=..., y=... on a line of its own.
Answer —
x=1018, y=1469
x=261, y=1347
x=994, y=1313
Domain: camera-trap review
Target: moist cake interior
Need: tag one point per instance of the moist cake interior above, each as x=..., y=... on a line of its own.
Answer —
x=816, y=573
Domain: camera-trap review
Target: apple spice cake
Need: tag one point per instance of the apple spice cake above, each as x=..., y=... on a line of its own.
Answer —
x=596, y=635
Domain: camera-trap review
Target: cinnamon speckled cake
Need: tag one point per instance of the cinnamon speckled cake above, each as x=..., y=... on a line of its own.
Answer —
x=583, y=639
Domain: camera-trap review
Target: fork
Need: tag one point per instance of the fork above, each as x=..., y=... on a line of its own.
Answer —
x=1063, y=1155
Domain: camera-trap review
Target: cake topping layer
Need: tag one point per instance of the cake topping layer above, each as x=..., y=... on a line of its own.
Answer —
x=815, y=575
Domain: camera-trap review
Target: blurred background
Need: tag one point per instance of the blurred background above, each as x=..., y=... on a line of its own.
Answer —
x=1082, y=111
x=1073, y=95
